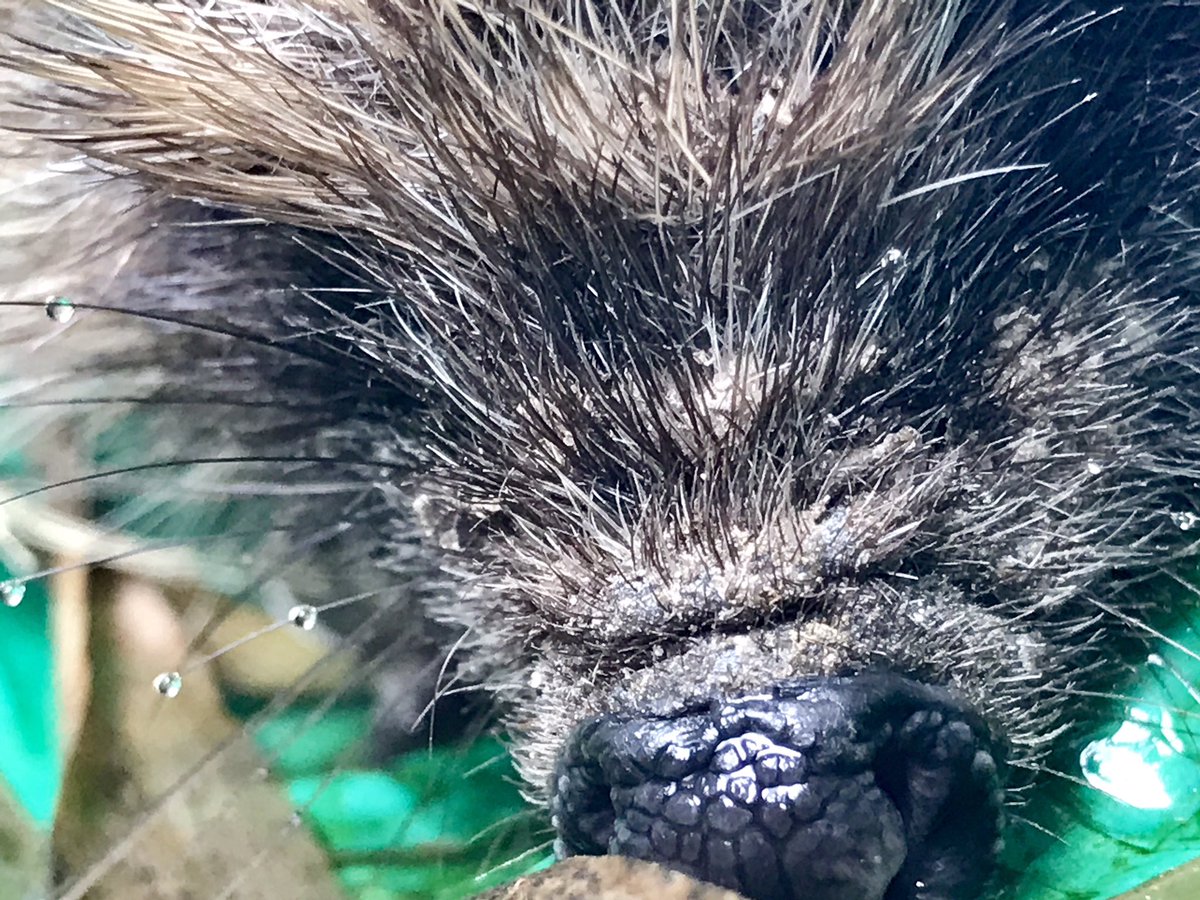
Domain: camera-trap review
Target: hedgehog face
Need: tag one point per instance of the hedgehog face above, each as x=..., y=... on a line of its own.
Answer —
x=851, y=738
x=768, y=394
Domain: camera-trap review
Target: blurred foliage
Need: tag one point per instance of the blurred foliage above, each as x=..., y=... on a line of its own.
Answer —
x=443, y=822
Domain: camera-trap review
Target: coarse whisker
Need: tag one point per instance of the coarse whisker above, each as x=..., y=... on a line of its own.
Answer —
x=439, y=690
x=225, y=331
x=301, y=615
x=517, y=860
x=154, y=400
x=1126, y=698
x=145, y=547
x=1077, y=780
x=267, y=570
x=1144, y=627
x=203, y=461
x=1037, y=826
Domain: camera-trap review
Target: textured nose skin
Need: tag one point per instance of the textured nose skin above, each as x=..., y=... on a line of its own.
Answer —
x=858, y=788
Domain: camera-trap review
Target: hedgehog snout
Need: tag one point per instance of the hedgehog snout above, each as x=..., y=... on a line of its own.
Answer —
x=856, y=788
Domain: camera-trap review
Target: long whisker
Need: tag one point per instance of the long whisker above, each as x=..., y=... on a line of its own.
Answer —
x=383, y=465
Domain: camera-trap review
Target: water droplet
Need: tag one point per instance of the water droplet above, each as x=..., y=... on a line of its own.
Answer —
x=892, y=258
x=60, y=309
x=1185, y=521
x=169, y=684
x=1145, y=763
x=303, y=616
x=12, y=592
x=1093, y=467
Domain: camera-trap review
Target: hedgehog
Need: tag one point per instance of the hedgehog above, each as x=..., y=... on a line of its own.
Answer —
x=783, y=411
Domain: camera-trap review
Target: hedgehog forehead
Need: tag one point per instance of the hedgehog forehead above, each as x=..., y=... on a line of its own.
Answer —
x=714, y=402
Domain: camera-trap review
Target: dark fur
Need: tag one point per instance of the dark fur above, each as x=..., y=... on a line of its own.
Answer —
x=693, y=352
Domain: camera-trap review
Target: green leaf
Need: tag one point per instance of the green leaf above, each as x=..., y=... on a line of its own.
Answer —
x=30, y=754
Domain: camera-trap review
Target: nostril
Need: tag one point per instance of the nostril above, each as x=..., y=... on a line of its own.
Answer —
x=866, y=788
x=944, y=780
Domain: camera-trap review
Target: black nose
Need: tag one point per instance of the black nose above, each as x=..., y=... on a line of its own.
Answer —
x=828, y=789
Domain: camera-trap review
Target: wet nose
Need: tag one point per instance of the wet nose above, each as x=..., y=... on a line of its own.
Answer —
x=857, y=788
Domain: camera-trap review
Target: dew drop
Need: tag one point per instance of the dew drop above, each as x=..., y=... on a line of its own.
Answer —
x=60, y=309
x=303, y=616
x=1144, y=763
x=12, y=592
x=892, y=258
x=1093, y=467
x=169, y=684
x=1185, y=521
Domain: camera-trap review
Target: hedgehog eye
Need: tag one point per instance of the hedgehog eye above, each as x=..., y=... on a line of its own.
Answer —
x=456, y=526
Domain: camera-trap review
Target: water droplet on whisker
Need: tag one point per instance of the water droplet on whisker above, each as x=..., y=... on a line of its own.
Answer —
x=1093, y=467
x=169, y=684
x=60, y=309
x=303, y=616
x=12, y=592
x=1185, y=521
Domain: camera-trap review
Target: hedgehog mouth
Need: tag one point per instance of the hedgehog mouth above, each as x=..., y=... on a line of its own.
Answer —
x=859, y=788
